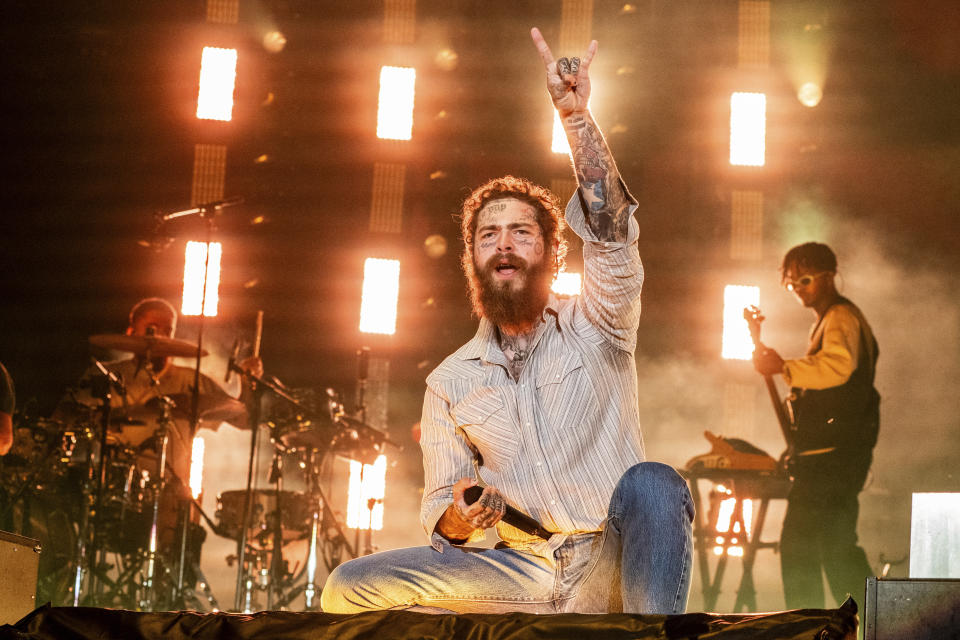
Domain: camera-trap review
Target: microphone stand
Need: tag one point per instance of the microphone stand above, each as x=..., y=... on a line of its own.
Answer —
x=243, y=585
x=207, y=212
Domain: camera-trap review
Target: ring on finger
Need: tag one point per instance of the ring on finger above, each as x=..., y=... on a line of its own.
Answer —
x=563, y=66
x=574, y=65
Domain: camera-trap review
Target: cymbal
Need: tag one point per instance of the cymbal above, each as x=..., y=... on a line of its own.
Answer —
x=212, y=408
x=157, y=346
x=347, y=437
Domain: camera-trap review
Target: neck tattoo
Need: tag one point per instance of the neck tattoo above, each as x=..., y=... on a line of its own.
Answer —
x=517, y=350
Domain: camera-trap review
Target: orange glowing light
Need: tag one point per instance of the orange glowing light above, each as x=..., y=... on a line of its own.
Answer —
x=218, y=77
x=567, y=283
x=367, y=483
x=195, y=261
x=381, y=290
x=395, y=105
x=748, y=129
x=196, y=467
x=559, y=142
x=737, y=344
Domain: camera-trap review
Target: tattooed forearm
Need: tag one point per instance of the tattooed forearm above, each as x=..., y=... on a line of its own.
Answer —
x=607, y=204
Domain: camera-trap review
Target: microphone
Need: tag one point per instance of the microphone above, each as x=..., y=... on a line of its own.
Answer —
x=231, y=363
x=115, y=379
x=513, y=517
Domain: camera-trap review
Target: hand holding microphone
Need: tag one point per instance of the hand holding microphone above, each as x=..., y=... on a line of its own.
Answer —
x=485, y=507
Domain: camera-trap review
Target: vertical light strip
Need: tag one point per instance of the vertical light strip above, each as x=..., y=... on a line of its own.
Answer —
x=196, y=467
x=195, y=261
x=576, y=24
x=753, y=34
x=209, y=173
x=748, y=128
x=737, y=344
x=223, y=11
x=218, y=77
x=377, y=394
x=399, y=21
x=367, y=482
x=746, y=225
x=395, y=103
x=386, y=206
x=558, y=141
x=381, y=291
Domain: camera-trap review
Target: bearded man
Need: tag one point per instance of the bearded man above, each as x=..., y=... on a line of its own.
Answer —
x=540, y=408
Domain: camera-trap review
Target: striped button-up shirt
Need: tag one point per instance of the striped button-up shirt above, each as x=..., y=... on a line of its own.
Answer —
x=555, y=442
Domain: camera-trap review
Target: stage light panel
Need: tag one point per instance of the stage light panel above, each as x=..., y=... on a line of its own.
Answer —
x=737, y=344
x=367, y=483
x=567, y=284
x=559, y=143
x=195, y=261
x=935, y=536
x=748, y=129
x=381, y=290
x=196, y=467
x=395, y=104
x=218, y=76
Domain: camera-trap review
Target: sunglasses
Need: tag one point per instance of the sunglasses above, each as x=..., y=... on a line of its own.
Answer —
x=803, y=281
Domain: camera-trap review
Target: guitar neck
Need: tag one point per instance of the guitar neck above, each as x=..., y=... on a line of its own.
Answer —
x=778, y=408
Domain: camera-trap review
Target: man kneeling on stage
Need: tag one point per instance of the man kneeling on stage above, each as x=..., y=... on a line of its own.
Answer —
x=544, y=399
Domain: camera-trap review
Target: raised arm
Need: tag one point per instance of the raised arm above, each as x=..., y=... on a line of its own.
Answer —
x=568, y=81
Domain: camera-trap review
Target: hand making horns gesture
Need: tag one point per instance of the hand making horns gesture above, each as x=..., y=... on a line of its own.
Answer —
x=568, y=80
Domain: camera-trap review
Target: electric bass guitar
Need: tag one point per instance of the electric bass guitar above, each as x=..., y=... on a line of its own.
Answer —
x=754, y=318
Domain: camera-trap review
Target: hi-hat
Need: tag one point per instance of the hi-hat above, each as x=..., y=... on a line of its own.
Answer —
x=155, y=346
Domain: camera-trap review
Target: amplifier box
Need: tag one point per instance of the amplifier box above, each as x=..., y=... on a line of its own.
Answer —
x=915, y=609
x=19, y=560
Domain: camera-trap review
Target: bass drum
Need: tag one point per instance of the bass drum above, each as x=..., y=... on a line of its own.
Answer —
x=124, y=526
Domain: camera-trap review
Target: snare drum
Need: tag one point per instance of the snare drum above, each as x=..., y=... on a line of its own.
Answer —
x=295, y=511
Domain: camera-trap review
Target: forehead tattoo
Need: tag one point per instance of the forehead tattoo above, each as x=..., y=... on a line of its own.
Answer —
x=527, y=214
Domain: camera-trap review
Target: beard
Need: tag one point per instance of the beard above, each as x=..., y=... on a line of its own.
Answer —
x=515, y=302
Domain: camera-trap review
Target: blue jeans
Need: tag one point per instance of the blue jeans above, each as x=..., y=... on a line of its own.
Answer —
x=639, y=563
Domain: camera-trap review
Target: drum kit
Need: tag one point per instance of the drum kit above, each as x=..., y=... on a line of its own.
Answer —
x=120, y=529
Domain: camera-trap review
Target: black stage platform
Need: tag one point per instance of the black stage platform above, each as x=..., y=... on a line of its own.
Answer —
x=65, y=623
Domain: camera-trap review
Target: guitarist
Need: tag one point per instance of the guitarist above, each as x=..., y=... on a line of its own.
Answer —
x=836, y=417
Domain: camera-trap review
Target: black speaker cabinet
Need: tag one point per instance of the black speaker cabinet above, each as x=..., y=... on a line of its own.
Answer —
x=19, y=560
x=912, y=609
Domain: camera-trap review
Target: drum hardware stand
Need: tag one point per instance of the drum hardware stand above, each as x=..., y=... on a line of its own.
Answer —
x=276, y=558
x=149, y=596
x=253, y=417
x=89, y=534
x=245, y=584
x=321, y=513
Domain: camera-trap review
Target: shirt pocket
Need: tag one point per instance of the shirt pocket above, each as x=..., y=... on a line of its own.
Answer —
x=484, y=416
x=565, y=393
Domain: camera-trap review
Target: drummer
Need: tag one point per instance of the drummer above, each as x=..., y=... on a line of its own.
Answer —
x=148, y=375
